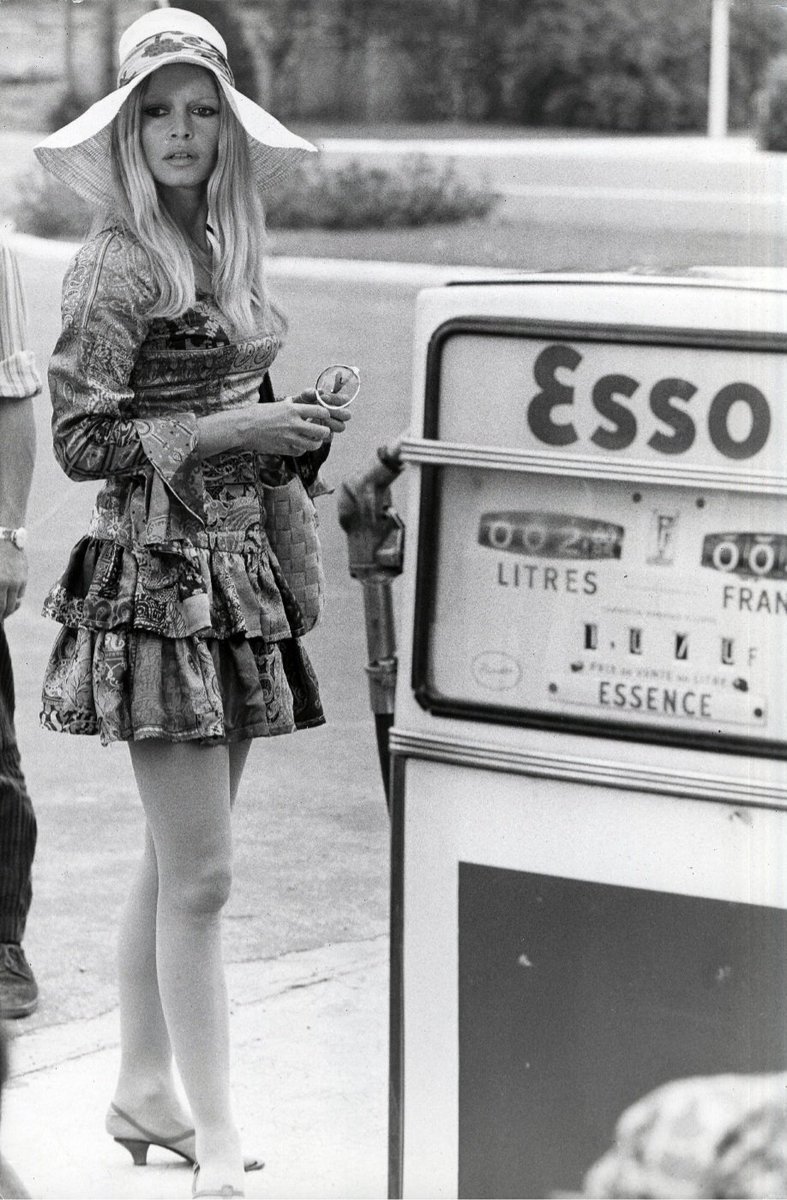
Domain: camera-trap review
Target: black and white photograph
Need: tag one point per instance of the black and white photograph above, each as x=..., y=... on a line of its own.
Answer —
x=393, y=599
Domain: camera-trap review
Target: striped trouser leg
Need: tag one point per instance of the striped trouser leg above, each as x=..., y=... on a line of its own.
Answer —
x=17, y=819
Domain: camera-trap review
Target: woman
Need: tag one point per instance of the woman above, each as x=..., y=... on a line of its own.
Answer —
x=180, y=634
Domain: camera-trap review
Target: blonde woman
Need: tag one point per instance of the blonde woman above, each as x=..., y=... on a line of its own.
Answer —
x=179, y=633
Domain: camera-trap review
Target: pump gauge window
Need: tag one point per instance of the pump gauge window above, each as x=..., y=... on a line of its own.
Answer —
x=549, y=535
x=337, y=386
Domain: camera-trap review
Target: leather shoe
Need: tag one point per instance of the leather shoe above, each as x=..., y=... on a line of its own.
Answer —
x=18, y=988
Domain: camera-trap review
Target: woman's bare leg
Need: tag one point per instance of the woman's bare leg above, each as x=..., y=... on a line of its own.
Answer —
x=186, y=792
x=146, y=1088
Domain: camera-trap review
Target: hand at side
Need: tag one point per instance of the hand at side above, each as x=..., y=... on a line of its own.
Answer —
x=13, y=578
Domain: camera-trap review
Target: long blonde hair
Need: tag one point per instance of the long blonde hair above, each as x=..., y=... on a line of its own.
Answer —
x=237, y=221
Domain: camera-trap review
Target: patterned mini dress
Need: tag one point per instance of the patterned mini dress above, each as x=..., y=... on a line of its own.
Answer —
x=176, y=620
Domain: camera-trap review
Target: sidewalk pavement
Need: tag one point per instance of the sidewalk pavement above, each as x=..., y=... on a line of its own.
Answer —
x=309, y=1042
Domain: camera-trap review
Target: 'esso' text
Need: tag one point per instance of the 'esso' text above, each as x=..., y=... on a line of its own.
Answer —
x=618, y=401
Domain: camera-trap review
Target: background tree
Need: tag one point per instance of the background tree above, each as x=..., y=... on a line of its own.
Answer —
x=635, y=65
x=230, y=25
x=628, y=65
x=617, y=65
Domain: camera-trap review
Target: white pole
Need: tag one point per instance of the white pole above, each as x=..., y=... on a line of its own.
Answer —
x=719, y=82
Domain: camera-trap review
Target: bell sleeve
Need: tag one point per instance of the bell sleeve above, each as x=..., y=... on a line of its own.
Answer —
x=106, y=293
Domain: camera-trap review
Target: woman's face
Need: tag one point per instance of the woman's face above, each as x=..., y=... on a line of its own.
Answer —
x=180, y=125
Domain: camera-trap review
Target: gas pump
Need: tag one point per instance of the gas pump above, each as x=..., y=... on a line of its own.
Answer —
x=589, y=792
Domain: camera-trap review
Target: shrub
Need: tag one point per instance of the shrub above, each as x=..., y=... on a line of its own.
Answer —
x=46, y=207
x=772, y=107
x=352, y=195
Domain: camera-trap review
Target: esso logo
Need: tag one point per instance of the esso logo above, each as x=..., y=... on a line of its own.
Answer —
x=612, y=396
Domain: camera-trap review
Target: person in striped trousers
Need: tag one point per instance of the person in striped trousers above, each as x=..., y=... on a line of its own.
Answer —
x=19, y=382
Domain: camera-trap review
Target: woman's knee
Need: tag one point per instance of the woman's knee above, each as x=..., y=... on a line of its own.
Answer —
x=203, y=893
x=186, y=797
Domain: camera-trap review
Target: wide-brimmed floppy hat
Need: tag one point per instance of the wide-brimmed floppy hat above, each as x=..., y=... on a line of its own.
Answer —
x=79, y=153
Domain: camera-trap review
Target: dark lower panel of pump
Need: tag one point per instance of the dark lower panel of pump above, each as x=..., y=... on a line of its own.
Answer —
x=576, y=998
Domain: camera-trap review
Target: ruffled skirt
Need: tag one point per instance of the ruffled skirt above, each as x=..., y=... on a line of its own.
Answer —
x=179, y=645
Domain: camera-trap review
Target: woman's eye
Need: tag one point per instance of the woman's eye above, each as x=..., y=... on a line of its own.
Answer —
x=205, y=110
x=154, y=110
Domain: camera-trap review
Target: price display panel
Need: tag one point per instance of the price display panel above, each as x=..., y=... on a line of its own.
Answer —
x=652, y=610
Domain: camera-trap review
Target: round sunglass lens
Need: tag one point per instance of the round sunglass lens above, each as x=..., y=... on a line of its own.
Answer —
x=338, y=385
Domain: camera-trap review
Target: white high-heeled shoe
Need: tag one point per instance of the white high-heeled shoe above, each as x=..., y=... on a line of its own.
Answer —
x=137, y=1140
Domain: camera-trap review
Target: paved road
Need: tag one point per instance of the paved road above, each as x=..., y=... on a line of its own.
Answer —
x=90, y=821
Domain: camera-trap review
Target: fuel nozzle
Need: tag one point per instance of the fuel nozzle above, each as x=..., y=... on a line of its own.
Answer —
x=374, y=529
x=375, y=549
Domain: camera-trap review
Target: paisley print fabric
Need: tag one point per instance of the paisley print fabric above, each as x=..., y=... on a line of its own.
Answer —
x=177, y=622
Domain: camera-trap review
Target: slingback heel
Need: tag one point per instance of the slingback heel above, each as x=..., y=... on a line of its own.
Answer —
x=136, y=1148
x=139, y=1143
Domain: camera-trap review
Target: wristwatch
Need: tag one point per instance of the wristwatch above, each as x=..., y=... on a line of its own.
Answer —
x=17, y=536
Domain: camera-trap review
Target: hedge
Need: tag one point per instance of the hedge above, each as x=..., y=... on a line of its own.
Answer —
x=350, y=195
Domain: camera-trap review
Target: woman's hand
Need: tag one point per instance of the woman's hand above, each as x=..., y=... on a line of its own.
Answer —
x=296, y=424
x=337, y=417
x=286, y=427
x=290, y=426
x=13, y=578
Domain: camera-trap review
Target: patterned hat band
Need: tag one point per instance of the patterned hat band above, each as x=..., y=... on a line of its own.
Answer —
x=168, y=46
